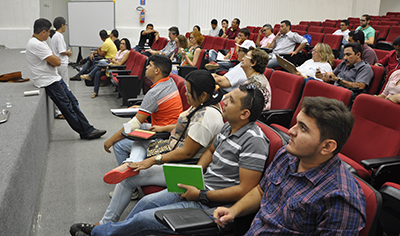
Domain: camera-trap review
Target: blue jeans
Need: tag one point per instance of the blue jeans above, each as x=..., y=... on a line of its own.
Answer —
x=87, y=65
x=223, y=65
x=69, y=107
x=141, y=220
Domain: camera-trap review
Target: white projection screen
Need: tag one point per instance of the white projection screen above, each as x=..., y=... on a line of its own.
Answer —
x=86, y=19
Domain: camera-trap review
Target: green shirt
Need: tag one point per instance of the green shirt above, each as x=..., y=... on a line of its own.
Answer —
x=368, y=32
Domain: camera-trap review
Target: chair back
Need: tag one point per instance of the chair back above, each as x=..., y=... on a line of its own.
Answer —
x=286, y=89
x=159, y=44
x=379, y=72
x=394, y=32
x=251, y=28
x=208, y=42
x=219, y=43
x=316, y=38
x=315, y=29
x=328, y=30
x=381, y=53
x=383, y=31
x=180, y=84
x=276, y=141
x=268, y=73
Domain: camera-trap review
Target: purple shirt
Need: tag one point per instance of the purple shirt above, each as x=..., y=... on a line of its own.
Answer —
x=323, y=200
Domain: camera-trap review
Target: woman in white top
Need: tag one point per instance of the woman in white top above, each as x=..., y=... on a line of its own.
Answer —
x=322, y=60
x=392, y=88
x=194, y=133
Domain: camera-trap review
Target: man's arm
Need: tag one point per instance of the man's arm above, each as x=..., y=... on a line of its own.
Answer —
x=206, y=158
x=273, y=43
x=298, y=49
x=222, y=81
x=53, y=60
x=330, y=76
x=370, y=40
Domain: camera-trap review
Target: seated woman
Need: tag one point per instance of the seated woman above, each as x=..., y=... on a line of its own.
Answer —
x=254, y=63
x=191, y=58
x=120, y=59
x=392, y=88
x=181, y=44
x=193, y=134
x=322, y=60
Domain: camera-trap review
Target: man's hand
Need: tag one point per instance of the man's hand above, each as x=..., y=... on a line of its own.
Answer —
x=191, y=194
x=225, y=215
x=91, y=56
x=292, y=53
x=107, y=145
x=156, y=128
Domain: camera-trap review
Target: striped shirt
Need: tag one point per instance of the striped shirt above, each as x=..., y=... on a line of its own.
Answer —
x=325, y=200
x=162, y=102
x=246, y=148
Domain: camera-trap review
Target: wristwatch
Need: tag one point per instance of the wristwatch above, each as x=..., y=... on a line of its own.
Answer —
x=338, y=80
x=203, y=196
x=158, y=159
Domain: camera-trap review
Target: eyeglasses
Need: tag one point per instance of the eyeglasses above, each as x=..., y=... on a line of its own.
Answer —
x=315, y=50
x=248, y=57
x=363, y=20
x=264, y=30
x=187, y=90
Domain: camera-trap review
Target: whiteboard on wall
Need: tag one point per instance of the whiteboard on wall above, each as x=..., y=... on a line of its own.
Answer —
x=86, y=19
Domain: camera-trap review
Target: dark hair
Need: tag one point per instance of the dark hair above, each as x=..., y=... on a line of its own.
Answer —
x=334, y=120
x=149, y=24
x=396, y=42
x=225, y=21
x=253, y=101
x=163, y=63
x=40, y=25
x=52, y=32
x=346, y=22
x=357, y=35
x=214, y=22
x=237, y=21
x=245, y=31
x=287, y=23
x=197, y=27
x=174, y=30
x=182, y=41
x=115, y=33
x=127, y=43
x=202, y=81
x=260, y=57
x=103, y=34
x=367, y=17
x=355, y=46
x=58, y=22
x=268, y=26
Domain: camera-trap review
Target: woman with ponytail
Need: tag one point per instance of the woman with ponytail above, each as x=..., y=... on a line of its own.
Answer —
x=190, y=137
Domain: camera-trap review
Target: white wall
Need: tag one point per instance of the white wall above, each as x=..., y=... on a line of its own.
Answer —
x=389, y=5
x=16, y=22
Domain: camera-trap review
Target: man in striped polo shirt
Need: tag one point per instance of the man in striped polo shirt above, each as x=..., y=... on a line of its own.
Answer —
x=233, y=164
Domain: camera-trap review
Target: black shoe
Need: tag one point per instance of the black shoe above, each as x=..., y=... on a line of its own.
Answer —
x=96, y=133
x=76, y=78
x=81, y=229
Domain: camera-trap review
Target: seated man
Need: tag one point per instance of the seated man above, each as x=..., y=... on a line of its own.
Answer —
x=235, y=76
x=147, y=37
x=225, y=25
x=232, y=32
x=353, y=72
x=233, y=165
x=214, y=31
x=344, y=31
x=241, y=39
x=266, y=41
x=392, y=59
x=368, y=31
x=162, y=102
x=285, y=42
x=108, y=50
x=169, y=49
x=368, y=54
x=42, y=63
x=307, y=190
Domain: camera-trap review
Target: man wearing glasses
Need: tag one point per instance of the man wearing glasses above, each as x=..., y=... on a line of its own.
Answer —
x=369, y=32
x=268, y=36
x=344, y=31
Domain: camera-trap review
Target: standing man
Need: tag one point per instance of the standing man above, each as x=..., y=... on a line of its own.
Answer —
x=232, y=32
x=369, y=32
x=285, y=42
x=42, y=63
x=147, y=37
x=307, y=190
x=169, y=49
x=266, y=41
x=368, y=54
x=214, y=31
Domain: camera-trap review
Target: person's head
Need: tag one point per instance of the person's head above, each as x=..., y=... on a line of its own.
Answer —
x=214, y=23
x=159, y=67
x=41, y=28
x=103, y=34
x=356, y=37
x=196, y=37
x=255, y=59
x=267, y=29
x=235, y=23
x=225, y=23
x=243, y=34
x=114, y=34
x=365, y=20
x=286, y=26
x=181, y=41
x=396, y=45
x=125, y=44
x=323, y=127
x=60, y=23
x=352, y=53
x=201, y=89
x=149, y=26
x=173, y=32
x=344, y=25
x=196, y=27
x=322, y=52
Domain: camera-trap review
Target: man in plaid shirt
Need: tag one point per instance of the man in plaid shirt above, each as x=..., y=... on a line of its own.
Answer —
x=307, y=190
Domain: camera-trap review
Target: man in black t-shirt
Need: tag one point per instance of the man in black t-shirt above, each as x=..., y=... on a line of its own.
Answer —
x=147, y=37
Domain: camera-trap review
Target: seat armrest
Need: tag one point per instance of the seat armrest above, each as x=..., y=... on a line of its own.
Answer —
x=372, y=164
x=184, y=70
x=123, y=72
x=386, y=173
x=281, y=117
x=224, y=51
x=134, y=101
x=121, y=67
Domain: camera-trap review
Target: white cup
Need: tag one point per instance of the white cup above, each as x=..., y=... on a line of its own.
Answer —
x=127, y=127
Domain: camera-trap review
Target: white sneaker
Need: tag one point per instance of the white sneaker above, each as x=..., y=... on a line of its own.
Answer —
x=135, y=194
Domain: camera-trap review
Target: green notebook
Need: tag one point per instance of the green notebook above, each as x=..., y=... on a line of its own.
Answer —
x=183, y=174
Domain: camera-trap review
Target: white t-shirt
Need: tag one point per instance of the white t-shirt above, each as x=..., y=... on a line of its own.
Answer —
x=42, y=73
x=236, y=77
x=58, y=46
x=309, y=68
x=344, y=33
x=214, y=32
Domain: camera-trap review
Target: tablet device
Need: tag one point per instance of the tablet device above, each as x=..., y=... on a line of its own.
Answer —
x=285, y=64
